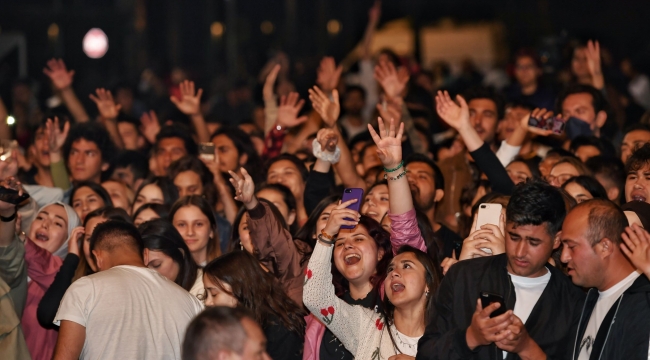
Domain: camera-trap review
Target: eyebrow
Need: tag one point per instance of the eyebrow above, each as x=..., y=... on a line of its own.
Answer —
x=351, y=235
x=402, y=262
x=525, y=237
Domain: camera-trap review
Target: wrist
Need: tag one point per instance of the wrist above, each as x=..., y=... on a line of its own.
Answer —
x=55, y=156
x=8, y=214
x=471, y=341
x=251, y=204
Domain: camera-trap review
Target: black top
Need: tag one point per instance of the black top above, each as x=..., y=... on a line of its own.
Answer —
x=319, y=185
x=51, y=300
x=281, y=342
x=28, y=177
x=488, y=162
x=331, y=347
x=447, y=238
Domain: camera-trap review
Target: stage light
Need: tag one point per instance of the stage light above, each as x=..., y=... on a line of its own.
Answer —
x=53, y=31
x=95, y=43
x=333, y=27
x=11, y=120
x=267, y=27
x=216, y=29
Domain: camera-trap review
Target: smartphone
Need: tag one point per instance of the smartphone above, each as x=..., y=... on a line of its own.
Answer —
x=488, y=213
x=558, y=126
x=11, y=196
x=544, y=124
x=488, y=298
x=206, y=150
x=458, y=247
x=349, y=194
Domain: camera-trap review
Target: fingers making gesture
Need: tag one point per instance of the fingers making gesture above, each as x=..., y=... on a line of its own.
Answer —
x=290, y=106
x=329, y=110
x=190, y=101
x=389, y=143
x=244, y=188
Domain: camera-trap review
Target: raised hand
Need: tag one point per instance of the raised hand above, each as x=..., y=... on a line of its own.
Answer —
x=328, y=74
x=76, y=236
x=328, y=139
x=244, y=188
x=106, y=106
x=636, y=247
x=190, y=101
x=9, y=166
x=14, y=184
x=537, y=114
x=391, y=111
x=328, y=109
x=592, y=52
x=374, y=14
x=150, y=126
x=392, y=81
x=288, y=110
x=340, y=216
x=485, y=330
x=389, y=143
x=59, y=74
x=56, y=136
x=455, y=115
x=267, y=90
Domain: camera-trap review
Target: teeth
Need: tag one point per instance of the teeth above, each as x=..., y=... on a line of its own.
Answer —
x=347, y=257
x=638, y=198
x=398, y=287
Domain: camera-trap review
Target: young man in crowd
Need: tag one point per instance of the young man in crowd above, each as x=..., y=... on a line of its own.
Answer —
x=172, y=143
x=89, y=152
x=125, y=311
x=614, y=320
x=633, y=138
x=610, y=173
x=584, y=108
x=528, y=90
x=131, y=167
x=223, y=333
x=541, y=305
x=637, y=182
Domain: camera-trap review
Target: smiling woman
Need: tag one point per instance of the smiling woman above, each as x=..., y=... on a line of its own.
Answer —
x=88, y=196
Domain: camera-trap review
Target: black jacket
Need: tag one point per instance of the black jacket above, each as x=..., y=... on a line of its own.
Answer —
x=627, y=337
x=552, y=323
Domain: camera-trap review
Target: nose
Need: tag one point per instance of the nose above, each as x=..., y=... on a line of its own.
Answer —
x=520, y=250
x=190, y=230
x=565, y=257
x=476, y=119
x=79, y=159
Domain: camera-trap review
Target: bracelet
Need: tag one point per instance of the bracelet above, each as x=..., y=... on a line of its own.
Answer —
x=322, y=239
x=401, y=163
x=401, y=175
x=325, y=235
x=9, y=218
x=325, y=155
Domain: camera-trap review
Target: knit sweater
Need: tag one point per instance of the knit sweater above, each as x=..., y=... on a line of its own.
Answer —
x=362, y=331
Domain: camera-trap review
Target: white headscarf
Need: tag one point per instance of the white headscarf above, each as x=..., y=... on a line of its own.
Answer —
x=73, y=222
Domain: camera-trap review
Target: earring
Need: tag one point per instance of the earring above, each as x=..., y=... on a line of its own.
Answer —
x=426, y=293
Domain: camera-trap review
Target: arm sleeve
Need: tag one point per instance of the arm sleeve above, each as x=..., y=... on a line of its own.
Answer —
x=507, y=152
x=488, y=163
x=60, y=175
x=319, y=185
x=52, y=298
x=404, y=230
x=75, y=303
x=12, y=263
x=320, y=298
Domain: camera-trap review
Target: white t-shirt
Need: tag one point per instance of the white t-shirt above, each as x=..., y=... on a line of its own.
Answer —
x=198, y=289
x=129, y=313
x=527, y=291
x=605, y=301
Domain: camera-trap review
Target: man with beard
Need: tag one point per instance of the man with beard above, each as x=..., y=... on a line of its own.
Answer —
x=427, y=187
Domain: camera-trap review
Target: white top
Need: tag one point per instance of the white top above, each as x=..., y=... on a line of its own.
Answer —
x=129, y=312
x=527, y=291
x=507, y=152
x=362, y=331
x=605, y=301
x=198, y=289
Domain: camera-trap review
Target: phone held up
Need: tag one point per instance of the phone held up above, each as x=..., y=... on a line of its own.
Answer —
x=206, y=151
x=349, y=194
x=11, y=196
x=488, y=298
x=555, y=124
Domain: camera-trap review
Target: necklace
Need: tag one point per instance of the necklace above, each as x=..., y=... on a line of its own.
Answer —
x=406, y=343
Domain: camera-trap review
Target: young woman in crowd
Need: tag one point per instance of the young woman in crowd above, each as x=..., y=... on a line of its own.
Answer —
x=376, y=204
x=121, y=195
x=166, y=252
x=158, y=189
x=88, y=196
x=521, y=169
x=195, y=220
x=566, y=168
x=235, y=151
x=583, y=188
x=280, y=196
x=150, y=211
x=289, y=171
x=46, y=243
x=236, y=279
x=77, y=263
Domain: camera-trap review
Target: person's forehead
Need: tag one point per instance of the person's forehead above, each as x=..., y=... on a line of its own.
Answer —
x=188, y=175
x=222, y=140
x=482, y=104
x=282, y=165
x=563, y=167
x=403, y=257
x=576, y=222
x=577, y=100
x=84, y=144
x=419, y=166
x=171, y=142
x=637, y=135
x=530, y=230
x=525, y=60
x=55, y=210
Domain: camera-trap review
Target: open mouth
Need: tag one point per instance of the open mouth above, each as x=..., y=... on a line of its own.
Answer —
x=41, y=236
x=637, y=197
x=397, y=287
x=352, y=259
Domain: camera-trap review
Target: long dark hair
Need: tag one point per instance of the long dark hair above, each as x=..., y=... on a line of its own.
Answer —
x=307, y=232
x=214, y=246
x=244, y=145
x=382, y=239
x=161, y=209
x=166, y=186
x=193, y=164
x=256, y=290
x=96, y=188
x=288, y=199
x=161, y=235
x=432, y=278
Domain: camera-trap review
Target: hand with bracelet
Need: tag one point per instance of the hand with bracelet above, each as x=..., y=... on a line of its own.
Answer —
x=339, y=216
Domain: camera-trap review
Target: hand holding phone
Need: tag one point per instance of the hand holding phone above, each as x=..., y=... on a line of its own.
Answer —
x=206, y=151
x=488, y=298
x=544, y=120
x=349, y=194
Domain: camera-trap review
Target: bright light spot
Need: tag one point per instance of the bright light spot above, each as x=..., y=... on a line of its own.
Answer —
x=216, y=29
x=53, y=31
x=11, y=120
x=267, y=27
x=95, y=43
x=333, y=27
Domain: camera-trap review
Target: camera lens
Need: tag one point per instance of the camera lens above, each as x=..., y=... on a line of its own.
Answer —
x=483, y=206
x=348, y=191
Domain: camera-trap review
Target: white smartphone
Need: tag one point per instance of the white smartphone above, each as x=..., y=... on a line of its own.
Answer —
x=488, y=214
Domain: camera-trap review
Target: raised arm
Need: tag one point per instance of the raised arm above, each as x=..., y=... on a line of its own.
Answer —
x=56, y=138
x=592, y=51
x=320, y=181
x=636, y=247
x=288, y=112
x=62, y=81
x=108, y=112
x=190, y=104
x=230, y=207
x=270, y=100
x=149, y=126
x=319, y=295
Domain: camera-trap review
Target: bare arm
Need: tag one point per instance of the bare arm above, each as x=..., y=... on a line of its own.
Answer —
x=270, y=100
x=108, y=112
x=5, y=132
x=8, y=229
x=62, y=81
x=374, y=14
x=70, y=342
x=190, y=105
x=457, y=116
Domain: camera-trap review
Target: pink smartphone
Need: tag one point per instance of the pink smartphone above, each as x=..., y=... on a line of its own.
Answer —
x=349, y=194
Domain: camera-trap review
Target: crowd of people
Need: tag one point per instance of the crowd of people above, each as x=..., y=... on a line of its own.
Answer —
x=226, y=229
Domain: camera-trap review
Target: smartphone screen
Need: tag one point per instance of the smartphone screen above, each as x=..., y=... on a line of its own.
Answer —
x=545, y=124
x=206, y=151
x=349, y=194
x=488, y=298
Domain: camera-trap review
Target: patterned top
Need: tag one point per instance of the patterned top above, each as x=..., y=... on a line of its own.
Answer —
x=362, y=331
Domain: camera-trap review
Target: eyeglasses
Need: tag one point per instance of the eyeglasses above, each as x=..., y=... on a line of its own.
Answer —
x=560, y=179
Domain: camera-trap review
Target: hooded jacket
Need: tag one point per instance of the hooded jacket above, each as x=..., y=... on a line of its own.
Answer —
x=552, y=323
x=625, y=330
